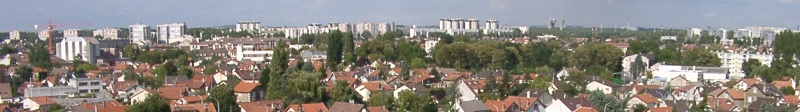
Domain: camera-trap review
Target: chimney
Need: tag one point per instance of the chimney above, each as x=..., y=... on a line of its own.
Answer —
x=528, y=94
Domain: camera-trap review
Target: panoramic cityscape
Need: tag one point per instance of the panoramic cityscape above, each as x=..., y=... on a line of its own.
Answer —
x=400, y=56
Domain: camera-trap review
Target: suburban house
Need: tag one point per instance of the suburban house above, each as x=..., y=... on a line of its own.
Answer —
x=36, y=103
x=308, y=107
x=746, y=83
x=261, y=106
x=501, y=106
x=469, y=89
x=679, y=81
x=139, y=96
x=246, y=92
x=543, y=96
x=367, y=89
x=735, y=96
x=527, y=104
x=645, y=99
x=605, y=86
x=5, y=93
x=347, y=107
x=568, y=105
x=471, y=106
x=173, y=92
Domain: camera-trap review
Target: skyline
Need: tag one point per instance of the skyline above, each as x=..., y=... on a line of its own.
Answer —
x=22, y=15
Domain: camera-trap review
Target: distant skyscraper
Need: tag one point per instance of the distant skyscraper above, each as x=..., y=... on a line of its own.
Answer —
x=248, y=26
x=72, y=33
x=14, y=35
x=139, y=32
x=107, y=33
x=551, y=23
x=171, y=31
x=492, y=24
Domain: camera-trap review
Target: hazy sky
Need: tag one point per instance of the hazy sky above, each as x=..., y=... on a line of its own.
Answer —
x=23, y=14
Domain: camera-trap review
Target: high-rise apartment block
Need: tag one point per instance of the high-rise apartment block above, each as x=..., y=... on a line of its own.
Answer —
x=171, y=32
x=249, y=26
x=107, y=33
x=139, y=32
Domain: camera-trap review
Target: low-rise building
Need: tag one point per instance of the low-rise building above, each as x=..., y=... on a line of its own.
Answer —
x=246, y=92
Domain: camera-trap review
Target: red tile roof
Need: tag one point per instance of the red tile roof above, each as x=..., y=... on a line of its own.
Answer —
x=647, y=98
x=377, y=109
x=310, y=107
x=661, y=109
x=172, y=92
x=43, y=100
x=107, y=106
x=244, y=87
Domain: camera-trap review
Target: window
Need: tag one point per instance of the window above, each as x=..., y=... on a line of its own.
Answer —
x=95, y=83
x=82, y=84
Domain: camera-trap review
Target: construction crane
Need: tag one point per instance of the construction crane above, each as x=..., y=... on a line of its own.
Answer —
x=51, y=26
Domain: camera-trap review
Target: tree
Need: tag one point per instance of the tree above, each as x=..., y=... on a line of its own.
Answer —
x=307, y=38
x=334, y=49
x=452, y=94
x=303, y=87
x=785, y=51
x=669, y=56
x=40, y=57
x=166, y=69
x=405, y=73
x=609, y=104
x=185, y=71
x=264, y=78
x=210, y=69
x=787, y=90
x=638, y=68
x=381, y=99
x=435, y=74
x=223, y=96
x=639, y=108
x=278, y=66
x=55, y=108
x=183, y=60
x=749, y=65
x=84, y=67
x=701, y=57
x=596, y=70
x=348, y=49
x=24, y=72
x=7, y=50
x=341, y=92
x=418, y=63
x=597, y=54
x=766, y=107
x=153, y=103
x=410, y=101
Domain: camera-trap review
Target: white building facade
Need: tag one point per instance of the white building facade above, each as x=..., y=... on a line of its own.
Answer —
x=71, y=47
x=71, y=33
x=248, y=26
x=139, y=32
x=734, y=60
x=663, y=73
x=169, y=32
x=107, y=33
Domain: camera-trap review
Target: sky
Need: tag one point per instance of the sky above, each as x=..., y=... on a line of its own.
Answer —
x=24, y=14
